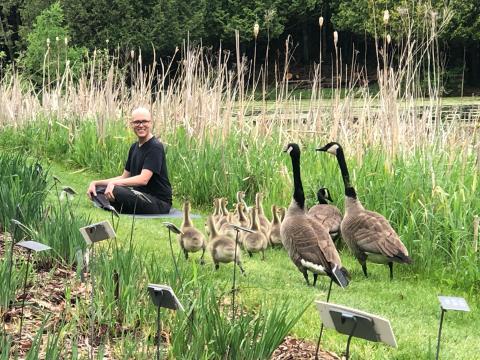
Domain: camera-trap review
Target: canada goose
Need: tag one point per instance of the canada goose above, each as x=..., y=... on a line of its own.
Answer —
x=328, y=215
x=241, y=199
x=192, y=240
x=274, y=235
x=309, y=245
x=222, y=247
x=282, y=214
x=368, y=234
x=255, y=241
x=262, y=219
x=226, y=227
x=223, y=204
x=241, y=217
x=223, y=212
x=242, y=220
x=216, y=213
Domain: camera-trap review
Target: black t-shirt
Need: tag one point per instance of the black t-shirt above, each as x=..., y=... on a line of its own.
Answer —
x=150, y=156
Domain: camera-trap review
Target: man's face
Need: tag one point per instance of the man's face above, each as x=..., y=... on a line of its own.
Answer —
x=141, y=124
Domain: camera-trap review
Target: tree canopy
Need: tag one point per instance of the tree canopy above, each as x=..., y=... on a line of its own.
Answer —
x=164, y=24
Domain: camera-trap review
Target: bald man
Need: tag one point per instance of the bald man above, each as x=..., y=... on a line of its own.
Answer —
x=143, y=188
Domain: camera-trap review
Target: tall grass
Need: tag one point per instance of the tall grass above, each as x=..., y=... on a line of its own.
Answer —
x=59, y=230
x=23, y=189
x=10, y=280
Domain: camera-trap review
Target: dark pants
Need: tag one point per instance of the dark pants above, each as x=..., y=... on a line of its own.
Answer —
x=127, y=202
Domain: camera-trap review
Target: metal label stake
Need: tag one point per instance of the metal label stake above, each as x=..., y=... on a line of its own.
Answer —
x=92, y=234
x=30, y=246
x=234, y=289
x=355, y=323
x=173, y=228
x=163, y=296
x=449, y=303
x=338, y=275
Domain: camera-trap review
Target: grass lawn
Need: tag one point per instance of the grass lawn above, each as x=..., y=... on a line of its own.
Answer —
x=409, y=302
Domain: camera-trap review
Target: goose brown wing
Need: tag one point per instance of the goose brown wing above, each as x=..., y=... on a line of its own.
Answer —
x=328, y=215
x=373, y=233
x=308, y=243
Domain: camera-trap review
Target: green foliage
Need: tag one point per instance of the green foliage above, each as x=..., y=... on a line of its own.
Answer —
x=465, y=24
x=59, y=230
x=48, y=52
x=10, y=281
x=23, y=189
x=251, y=335
x=368, y=16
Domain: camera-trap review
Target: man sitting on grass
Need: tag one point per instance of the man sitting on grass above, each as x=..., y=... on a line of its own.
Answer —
x=143, y=188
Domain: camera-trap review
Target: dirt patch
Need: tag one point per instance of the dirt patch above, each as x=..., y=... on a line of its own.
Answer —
x=296, y=349
x=51, y=298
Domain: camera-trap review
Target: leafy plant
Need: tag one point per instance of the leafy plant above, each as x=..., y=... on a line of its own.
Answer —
x=48, y=52
x=23, y=189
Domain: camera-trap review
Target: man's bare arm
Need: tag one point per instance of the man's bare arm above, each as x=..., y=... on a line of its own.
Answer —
x=138, y=180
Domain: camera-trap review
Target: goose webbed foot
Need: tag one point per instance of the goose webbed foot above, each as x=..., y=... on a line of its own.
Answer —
x=217, y=266
x=250, y=254
x=315, y=277
x=185, y=252
x=263, y=255
x=390, y=265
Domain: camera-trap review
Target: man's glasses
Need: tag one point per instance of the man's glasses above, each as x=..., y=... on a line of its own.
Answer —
x=137, y=123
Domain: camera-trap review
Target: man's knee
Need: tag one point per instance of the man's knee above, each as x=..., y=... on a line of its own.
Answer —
x=121, y=191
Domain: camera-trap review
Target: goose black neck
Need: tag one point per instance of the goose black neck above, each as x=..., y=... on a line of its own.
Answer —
x=298, y=194
x=349, y=189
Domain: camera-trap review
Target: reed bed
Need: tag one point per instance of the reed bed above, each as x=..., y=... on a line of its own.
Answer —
x=201, y=93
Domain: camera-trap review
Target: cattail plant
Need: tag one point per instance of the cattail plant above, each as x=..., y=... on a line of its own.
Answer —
x=256, y=29
x=386, y=17
x=320, y=50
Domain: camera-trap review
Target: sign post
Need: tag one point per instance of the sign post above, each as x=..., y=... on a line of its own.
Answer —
x=163, y=296
x=449, y=303
x=92, y=234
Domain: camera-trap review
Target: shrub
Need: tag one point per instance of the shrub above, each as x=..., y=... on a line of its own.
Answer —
x=48, y=52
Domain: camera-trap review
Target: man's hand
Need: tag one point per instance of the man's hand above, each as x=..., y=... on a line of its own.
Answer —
x=91, y=190
x=109, y=191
